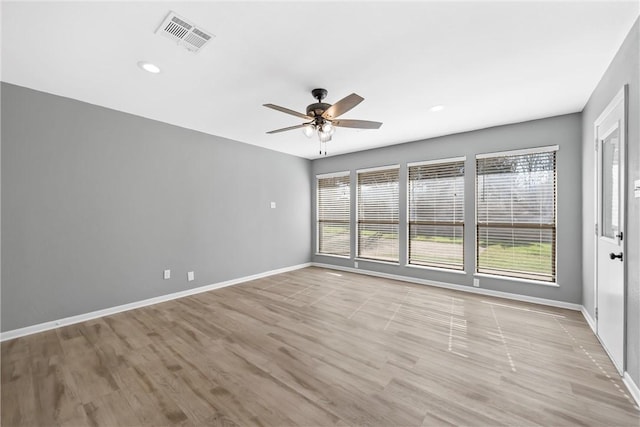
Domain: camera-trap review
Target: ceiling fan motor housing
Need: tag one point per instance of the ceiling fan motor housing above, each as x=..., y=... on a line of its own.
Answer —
x=316, y=109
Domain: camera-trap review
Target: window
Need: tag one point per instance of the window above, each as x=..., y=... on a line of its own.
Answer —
x=334, y=210
x=516, y=214
x=378, y=213
x=436, y=214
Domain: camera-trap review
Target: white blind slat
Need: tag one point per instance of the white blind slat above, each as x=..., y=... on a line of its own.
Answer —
x=436, y=214
x=334, y=211
x=378, y=214
x=516, y=215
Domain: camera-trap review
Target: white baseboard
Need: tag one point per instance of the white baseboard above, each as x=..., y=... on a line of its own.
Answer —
x=481, y=291
x=632, y=387
x=589, y=319
x=41, y=327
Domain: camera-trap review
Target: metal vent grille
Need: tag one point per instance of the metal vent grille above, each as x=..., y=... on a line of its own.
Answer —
x=184, y=33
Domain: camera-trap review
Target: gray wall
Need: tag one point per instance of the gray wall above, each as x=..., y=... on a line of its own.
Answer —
x=96, y=203
x=624, y=69
x=563, y=131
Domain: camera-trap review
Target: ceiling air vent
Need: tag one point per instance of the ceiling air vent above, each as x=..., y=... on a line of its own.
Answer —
x=183, y=32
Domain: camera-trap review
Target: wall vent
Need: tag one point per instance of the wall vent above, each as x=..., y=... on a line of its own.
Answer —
x=183, y=32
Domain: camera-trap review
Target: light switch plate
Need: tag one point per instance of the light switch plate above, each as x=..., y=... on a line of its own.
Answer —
x=273, y=205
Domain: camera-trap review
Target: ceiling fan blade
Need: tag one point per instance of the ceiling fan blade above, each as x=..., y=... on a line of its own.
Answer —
x=342, y=106
x=359, y=124
x=288, y=111
x=286, y=129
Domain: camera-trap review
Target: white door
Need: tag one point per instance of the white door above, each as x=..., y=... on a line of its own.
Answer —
x=610, y=257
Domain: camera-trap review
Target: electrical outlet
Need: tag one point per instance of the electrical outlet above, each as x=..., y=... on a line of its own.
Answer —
x=355, y=264
x=167, y=274
x=191, y=276
x=476, y=283
x=273, y=205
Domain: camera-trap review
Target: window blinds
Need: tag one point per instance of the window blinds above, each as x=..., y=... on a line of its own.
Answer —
x=436, y=214
x=516, y=215
x=334, y=204
x=378, y=214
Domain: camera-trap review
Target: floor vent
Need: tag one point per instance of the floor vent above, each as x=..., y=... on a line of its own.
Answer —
x=183, y=32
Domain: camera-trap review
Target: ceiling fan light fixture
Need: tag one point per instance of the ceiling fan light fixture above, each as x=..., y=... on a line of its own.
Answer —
x=308, y=130
x=327, y=127
x=324, y=136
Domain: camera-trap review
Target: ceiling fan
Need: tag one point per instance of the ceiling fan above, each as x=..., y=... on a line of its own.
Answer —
x=322, y=117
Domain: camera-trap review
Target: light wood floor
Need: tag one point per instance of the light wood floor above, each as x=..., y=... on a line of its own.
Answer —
x=316, y=347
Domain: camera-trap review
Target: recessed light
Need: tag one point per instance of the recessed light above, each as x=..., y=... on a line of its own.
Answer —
x=436, y=108
x=149, y=67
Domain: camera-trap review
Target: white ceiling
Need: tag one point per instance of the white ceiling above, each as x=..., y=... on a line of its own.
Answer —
x=489, y=63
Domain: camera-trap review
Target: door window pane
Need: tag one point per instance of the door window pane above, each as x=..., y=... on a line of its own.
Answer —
x=610, y=184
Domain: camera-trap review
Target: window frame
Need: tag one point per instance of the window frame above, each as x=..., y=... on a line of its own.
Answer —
x=519, y=152
x=458, y=159
x=356, y=231
x=319, y=220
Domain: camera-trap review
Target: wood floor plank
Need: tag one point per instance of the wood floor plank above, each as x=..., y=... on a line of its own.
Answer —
x=91, y=375
x=143, y=400
x=18, y=402
x=318, y=347
x=110, y=410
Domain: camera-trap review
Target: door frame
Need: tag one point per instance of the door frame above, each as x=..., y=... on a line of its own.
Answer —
x=620, y=97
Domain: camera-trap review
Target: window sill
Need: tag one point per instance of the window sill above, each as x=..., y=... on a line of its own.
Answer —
x=378, y=261
x=517, y=279
x=444, y=270
x=333, y=256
